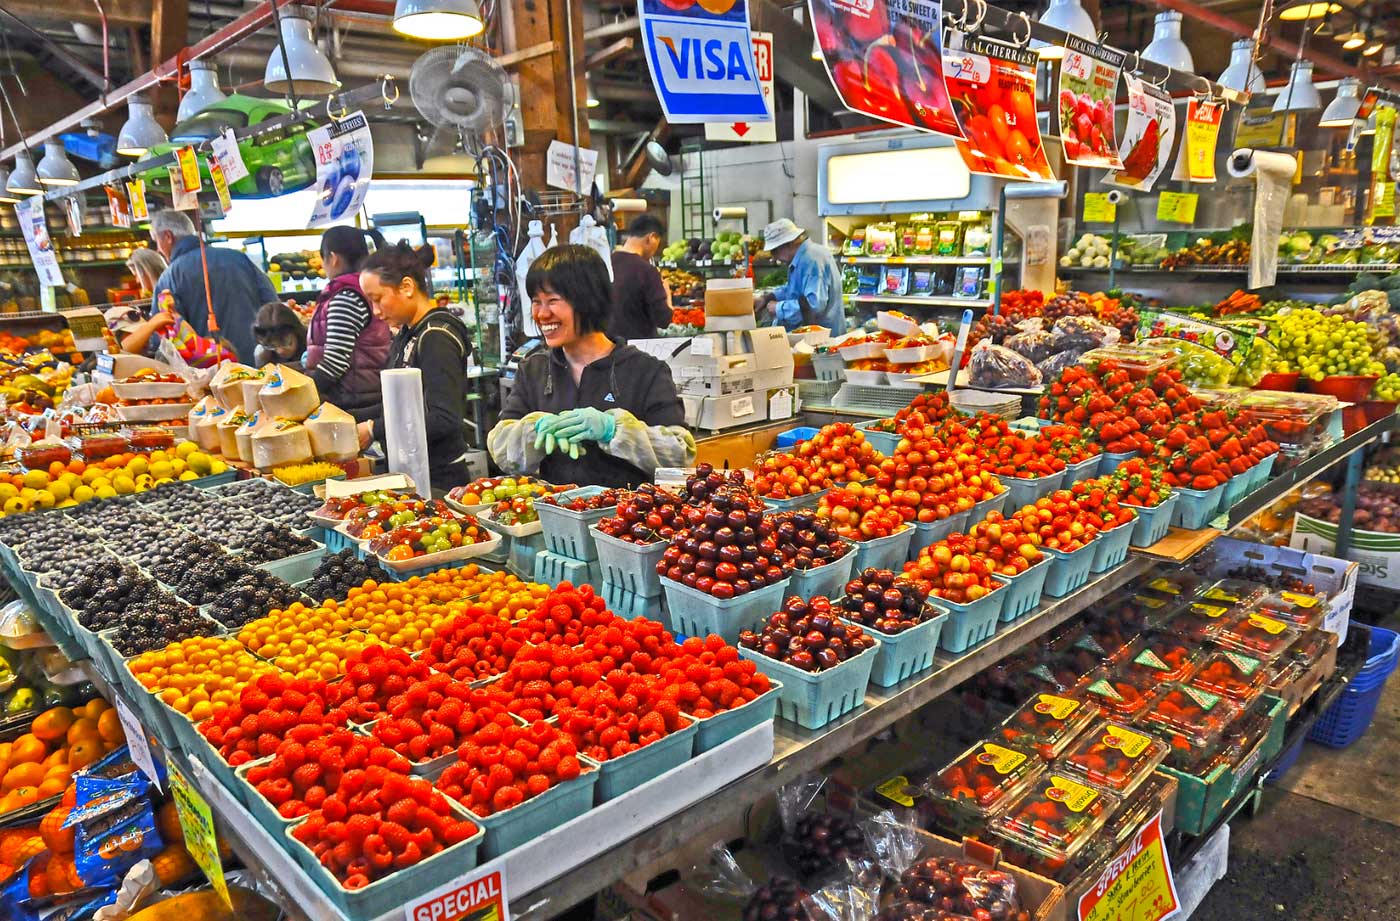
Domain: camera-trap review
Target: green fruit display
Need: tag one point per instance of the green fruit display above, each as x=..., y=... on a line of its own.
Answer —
x=1317, y=346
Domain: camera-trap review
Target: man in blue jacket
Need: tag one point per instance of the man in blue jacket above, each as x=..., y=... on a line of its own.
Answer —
x=812, y=295
x=237, y=287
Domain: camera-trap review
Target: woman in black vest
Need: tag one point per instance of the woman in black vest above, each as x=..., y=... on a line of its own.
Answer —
x=589, y=410
x=346, y=344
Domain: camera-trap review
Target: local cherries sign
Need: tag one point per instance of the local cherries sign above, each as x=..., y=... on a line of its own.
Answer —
x=993, y=88
x=1147, y=142
x=884, y=59
x=1088, y=84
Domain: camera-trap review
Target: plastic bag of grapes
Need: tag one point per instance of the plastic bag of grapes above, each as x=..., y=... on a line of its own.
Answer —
x=1201, y=366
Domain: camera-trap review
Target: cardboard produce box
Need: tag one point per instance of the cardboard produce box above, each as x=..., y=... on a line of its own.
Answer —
x=729, y=304
x=1306, y=559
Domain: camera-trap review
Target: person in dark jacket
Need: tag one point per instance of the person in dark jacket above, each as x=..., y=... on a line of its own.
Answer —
x=280, y=334
x=429, y=338
x=641, y=302
x=346, y=344
x=589, y=409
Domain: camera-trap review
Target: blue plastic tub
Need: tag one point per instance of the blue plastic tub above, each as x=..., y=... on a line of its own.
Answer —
x=696, y=613
x=630, y=566
x=829, y=580
x=1285, y=761
x=1109, y=461
x=970, y=624
x=552, y=568
x=1235, y=489
x=618, y=776
x=629, y=604
x=569, y=533
x=1195, y=507
x=209, y=481
x=811, y=500
x=1260, y=471
x=905, y=654
x=1111, y=546
x=1350, y=715
x=1021, y=492
x=720, y=728
x=1084, y=470
x=1023, y=591
x=984, y=508
x=336, y=541
x=1152, y=523
x=884, y=442
x=793, y=436
x=258, y=805
x=508, y=830
x=1068, y=571
x=928, y=533
x=885, y=552
x=813, y=699
x=523, y=551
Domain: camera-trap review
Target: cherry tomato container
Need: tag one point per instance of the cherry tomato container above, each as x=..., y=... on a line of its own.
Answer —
x=1115, y=757
x=1181, y=585
x=1196, y=621
x=1236, y=675
x=1053, y=821
x=1158, y=658
x=1259, y=635
x=1111, y=546
x=973, y=622
x=1068, y=571
x=978, y=783
x=813, y=699
x=889, y=552
x=1110, y=461
x=884, y=442
x=908, y=652
x=1302, y=609
x=1195, y=507
x=1118, y=696
x=1048, y=723
x=1025, y=490
x=1233, y=592
x=1153, y=521
x=928, y=533
x=1191, y=720
x=1023, y=591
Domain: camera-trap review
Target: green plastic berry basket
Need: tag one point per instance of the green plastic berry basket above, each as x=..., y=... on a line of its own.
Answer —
x=1152, y=523
x=1111, y=546
x=971, y=623
x=696, y=613
x=630, y=566
x=619, y=776
x=888, y=552
x=829, y=580
x=569, y=533
x=1068, y=571
x=1195, y=507
x=259, y=806
x=1260, y=471
x=902, y=655
x=713, y=731
x=1023, y=591
x=813, y=699
x=298, y=567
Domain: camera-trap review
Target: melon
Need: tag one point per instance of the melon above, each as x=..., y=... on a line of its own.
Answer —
x=227, y=383
x=285, y=441
x=228, y=433
x=333, y=434
x=204, y=423
x=289, y=394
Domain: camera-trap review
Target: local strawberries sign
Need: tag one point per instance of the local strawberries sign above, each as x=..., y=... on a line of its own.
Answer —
x=885, y=60
x=1137, y=884
x=1088, y=85
x=477, y=896
x=700, y=55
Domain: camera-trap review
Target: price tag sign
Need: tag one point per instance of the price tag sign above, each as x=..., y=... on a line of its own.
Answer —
x=1385, y=199
x=479, y=894
x=136, y=194
x=228, y=156
x=73, y=213
x=1202, y=133
x=1137, y=885
x=1098, y=209
x=216, y=174
x=1177, y=206
x=181, y=199
x=137, y=743
x=118, y=206
x=197, y=822
x=189, y=168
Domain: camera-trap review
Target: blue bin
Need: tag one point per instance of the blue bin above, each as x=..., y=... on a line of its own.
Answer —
x=970, y=624
x=905, y=654
x=1024, y=491
x=1023, y=591
x=1152, y=523
x=1235, y=489
x=507, y=830
x=1068, y=571
x=813, y=699
x=695, y=613
x=618, y=776
x=258, y=805
x=569, y=533
x=884, y=442
x=1195, y=507
x=720, y=728
x=552, y=568
x=1350, y=715
x=628, y=604
x=1084, y=470
x=630, y=566
x=1285, y=761
x=1260, y=471
x=984, y=508
x=336, y=541
x=1111, y=546
x=1109, y=461
x=793, y=436
x=928, y=533
x=885, y=552
x=811, y=500
x=829, y=580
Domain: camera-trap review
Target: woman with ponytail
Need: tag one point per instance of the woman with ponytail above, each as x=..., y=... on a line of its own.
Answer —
x=346, y=344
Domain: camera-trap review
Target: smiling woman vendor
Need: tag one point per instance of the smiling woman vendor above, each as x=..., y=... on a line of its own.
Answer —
x=589, y=410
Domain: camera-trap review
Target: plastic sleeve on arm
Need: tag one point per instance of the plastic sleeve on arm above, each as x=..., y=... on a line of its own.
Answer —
x=512, y=444
x=648, y=446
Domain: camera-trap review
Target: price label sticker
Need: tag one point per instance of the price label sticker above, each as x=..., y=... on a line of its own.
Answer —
x=1179, y=207
x=189, y=168
x=1098, y=209
x=1126, y=741
x=1137, y=884
x=136, y=194
x=216, y=175
x=137, y=743
x=1002, y=760
x=197, y=822
x=1059, y=708
x=896, y=790
x=480, y=894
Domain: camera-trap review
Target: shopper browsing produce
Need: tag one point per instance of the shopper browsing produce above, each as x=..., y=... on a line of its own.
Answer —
x=346, y=344
x=812, y=296
x=641, y=299
x=280, y=334
x=395, y=279
x=590, y=409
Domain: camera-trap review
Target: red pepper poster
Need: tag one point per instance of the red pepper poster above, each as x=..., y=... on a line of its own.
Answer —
x=1147, y=142
x=884, y=59
x=1088, y=87
x=993, y=89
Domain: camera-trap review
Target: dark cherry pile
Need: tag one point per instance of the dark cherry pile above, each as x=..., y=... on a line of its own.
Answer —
x=605, y=499
x=957, y=890
x=707, y=482
x=339, y=572
x=807, y=541
x=254, y=594
x=204, y=579
x=819, y=843
x=808, y=635
x=730, y=552
x=780, y=899
x=274, y=542
x=878, y=599
x=647, y=516
x=154, y=624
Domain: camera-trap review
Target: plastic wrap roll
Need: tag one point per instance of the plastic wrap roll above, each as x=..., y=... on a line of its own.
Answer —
x=405, y=429
x=1273, y=176
x=731, y=213
x=629, y=205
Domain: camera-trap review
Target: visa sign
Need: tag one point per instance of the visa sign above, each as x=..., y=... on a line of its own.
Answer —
x=701, y=62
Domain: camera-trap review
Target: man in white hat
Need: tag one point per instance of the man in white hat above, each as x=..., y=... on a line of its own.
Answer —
x=812, y=295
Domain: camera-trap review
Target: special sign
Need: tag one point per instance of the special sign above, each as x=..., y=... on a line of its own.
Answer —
x=700, y=55
x=477, y=896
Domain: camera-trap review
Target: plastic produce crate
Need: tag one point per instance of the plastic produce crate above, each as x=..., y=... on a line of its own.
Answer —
x=829, y=580
x=1023, y=591
x=1260, y=471
x=552, y=568
x=296, y=568
x=1286, y=761
x=1109, y=461
x=1201, y=798
x=629, y=604
x=1111, y=546
x=928, y=533
x=618, y=776
x=984, y=508
x=811, y=500
x=713, y=731
x=885, y=552
x=1084, y=470
x=1068, y=571
x=884, y=442
x=336, y=541
x=696, y=613
x=1195, y=507
x=630, y=566
x=813, y=699
x=1350, y=715
x=793, y=436
x=1152, y=523
x=539, y=814
x=257, y=804
x=1024, y=491
x=905, y=654
x=970, y=624
x=569, y=533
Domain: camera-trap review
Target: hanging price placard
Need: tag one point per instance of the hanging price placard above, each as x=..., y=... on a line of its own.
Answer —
x=197, y=822
x=181, y=199
x=1202, y=133
x=1148, y=139
x=136, y=743
x=189, y=168
x=216, y=175
x=228, y=156
x=1136, y=885
x=1098, y=209
x=1088, y=86
x=136, y=195
x=1179, y=207
x=118, y=207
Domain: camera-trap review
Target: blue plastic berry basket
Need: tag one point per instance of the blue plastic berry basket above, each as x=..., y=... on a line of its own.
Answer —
x=561, y=803
x=1084, y=470
x=1068, y=571
x=794, y=436
x=1024, y=491
x=298, y=567
x=1260, y=471
x=984, y=508
x=1111, y=546
x=1152, y=523
x=569, y=533
x=629, y=604
x=813, y=699
x=884, y=442
x=696, y=613
x=908, y=653
x=335, y=541
x=829, y=580
x=1195, y=507
x=885, y=552
x=972, y=623
x=811, y=500
x=618, y=776
x=552, y=568
x=1023, y=591
x=1235, y=489
x=1350, y=715
x=630, y=566
x=928, y=533
x=715, y=730
x=1110, y=461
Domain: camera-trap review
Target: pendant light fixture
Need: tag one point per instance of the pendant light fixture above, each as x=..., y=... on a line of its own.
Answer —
x=22, y=180
x=203, y=92
x=1372, y=48
x=311, y=73
x=1242, y=73
x=590, y=99
x=5, y=197
x=1067, y=16
x=1166, y=47
x=141, y=131
x=1308, y=9
x=55, y=168
x=1300, y=95
x=438, y=20
x=1341, y=111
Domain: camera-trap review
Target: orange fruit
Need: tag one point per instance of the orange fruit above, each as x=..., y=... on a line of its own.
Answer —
x=28, y=774
x=52, y=724
x=85, y=728
x=84, y=753
x=29, y=747
x=109, y=726
x=70, y=796
x=52, y=786
x=93, y=708
x=24, y=796
x=59, y=756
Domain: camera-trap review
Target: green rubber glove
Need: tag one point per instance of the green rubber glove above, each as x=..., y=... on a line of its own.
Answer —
x=586, y=424
x=548, y=441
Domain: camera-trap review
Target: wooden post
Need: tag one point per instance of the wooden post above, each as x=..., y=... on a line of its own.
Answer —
x=170, y=26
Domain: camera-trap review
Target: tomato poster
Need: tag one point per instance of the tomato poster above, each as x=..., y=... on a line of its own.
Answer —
x=1088, y=89
x=1148, y=139
x=993, y=89
x=884, y=58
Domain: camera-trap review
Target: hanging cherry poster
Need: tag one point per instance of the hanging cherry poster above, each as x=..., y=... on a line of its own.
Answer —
x=884, y=59
x=1088, y=87
x=993, y=89
x=1147, y=141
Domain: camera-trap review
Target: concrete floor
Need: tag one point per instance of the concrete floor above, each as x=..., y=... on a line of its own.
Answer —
x=1326, y=844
